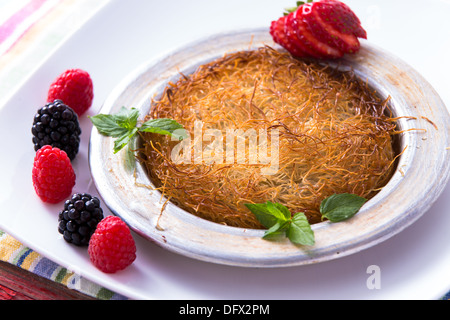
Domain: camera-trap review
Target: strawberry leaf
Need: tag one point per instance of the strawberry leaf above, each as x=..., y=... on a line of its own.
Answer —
x=293, y=9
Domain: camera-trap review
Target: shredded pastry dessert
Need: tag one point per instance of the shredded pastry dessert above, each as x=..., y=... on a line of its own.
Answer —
x=264, y=126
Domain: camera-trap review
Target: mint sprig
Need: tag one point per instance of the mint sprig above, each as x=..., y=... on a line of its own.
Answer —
x=278, y=219
x=124, y=126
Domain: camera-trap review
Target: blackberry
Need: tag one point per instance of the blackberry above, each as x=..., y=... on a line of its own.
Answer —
x=57, y=125
x=79, y=219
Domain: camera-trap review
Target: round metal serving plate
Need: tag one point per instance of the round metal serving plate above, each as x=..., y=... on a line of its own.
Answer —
x=421, y=175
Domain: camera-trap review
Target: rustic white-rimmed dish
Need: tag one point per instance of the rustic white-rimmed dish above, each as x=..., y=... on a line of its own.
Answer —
x=421, y=175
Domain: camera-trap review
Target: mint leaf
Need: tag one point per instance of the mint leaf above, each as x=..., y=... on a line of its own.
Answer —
x=277, y=218
x=127, y=118
x=300, y=231
x=164, y=126
x=279, y=211
x=123, y=140
x=107, y=125
x=124, y=126
x=277, y=229
x=340, y=207
x=262, y=214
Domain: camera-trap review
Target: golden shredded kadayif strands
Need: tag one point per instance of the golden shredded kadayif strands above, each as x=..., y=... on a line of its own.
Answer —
x=334, y=136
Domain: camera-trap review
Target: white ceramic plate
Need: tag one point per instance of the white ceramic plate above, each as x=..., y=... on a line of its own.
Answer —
x=414, y=263
x=400, y=203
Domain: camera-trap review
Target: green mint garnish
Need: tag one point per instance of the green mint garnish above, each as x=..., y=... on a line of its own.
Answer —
x=164, y=126
x=124, y=125
x=278, y=219
x=340, y=207
x=300, y=231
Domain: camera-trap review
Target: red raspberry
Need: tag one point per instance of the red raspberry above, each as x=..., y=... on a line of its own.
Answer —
x=111, y=247
x=74, y=87
x=53, y=175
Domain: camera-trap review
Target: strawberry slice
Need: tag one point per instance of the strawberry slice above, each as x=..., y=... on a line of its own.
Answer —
x=277, y=30
x=346, y=42
x=291, y=33
x=340, y=17
x=304, y=34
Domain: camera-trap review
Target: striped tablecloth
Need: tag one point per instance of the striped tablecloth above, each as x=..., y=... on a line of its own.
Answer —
x=29, y=31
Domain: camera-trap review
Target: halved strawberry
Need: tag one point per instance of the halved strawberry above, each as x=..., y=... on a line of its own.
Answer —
x=304, y=34
x=277, y=30
x=346, y=42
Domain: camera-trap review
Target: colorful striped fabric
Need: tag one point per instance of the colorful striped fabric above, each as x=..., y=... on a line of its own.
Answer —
x=29, y=31
x=16, y=253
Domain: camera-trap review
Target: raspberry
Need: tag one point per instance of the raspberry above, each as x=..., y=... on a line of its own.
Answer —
x=112, y=247
x=57, y=125
x=78, y=220
x=52, y=174
x=75, y=88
